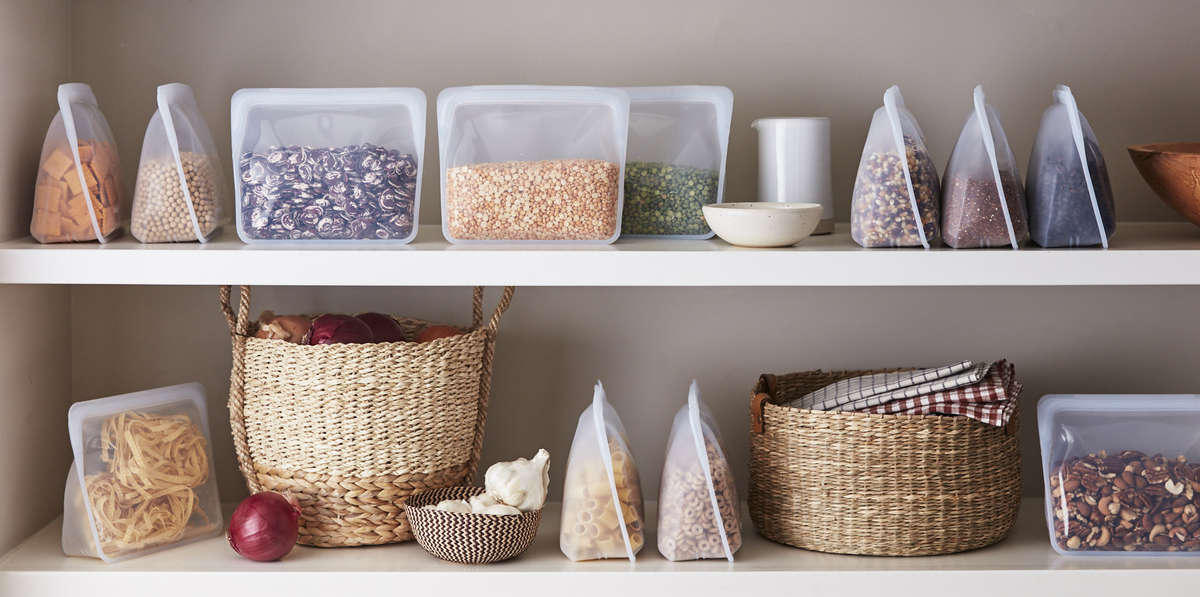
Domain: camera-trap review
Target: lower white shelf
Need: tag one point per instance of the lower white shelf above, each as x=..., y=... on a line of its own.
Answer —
x=1024, y=563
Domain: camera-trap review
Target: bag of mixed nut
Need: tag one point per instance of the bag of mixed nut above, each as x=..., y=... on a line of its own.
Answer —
x=602, y=515
x=698, y=515
x=532, y=163
x=678, y=141
x=896, y=192
x=180, y=186
x=78, y=192
x=983, y=200
x=1070, y=196
x=1122, y=472
x=335, y=166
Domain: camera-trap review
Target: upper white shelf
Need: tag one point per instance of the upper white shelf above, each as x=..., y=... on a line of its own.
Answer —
x=1148, y=254
x=1023, y=564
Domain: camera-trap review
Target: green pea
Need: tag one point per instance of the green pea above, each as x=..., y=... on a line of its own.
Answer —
x=665, y=199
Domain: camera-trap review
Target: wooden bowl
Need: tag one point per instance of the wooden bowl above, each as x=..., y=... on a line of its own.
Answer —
x=1173, y=171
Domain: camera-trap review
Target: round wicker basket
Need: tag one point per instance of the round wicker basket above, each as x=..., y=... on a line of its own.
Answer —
x=469, y=538
x=352, y=430
x=894, y=485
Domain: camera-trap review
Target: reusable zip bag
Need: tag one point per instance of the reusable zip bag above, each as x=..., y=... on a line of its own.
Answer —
x=896, y=192
x=180, y=185
x=602, y=514
x=142, y=480
x=678, y=143
x=78, y=192
x=532, y=163
x=1070, y=196
x=697, y=503
x=984, y=201
x=334, y=166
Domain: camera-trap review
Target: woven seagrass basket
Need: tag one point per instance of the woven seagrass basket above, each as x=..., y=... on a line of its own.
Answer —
x=469, y=538
x=351, y=430
x=870, y=484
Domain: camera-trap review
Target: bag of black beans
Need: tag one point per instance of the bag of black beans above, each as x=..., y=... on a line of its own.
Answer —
x=675, y=162
x=896, y=192
x=1070, y=197
x=983, y=201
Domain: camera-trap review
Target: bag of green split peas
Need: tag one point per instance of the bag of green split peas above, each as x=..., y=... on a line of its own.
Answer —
x=677, y=146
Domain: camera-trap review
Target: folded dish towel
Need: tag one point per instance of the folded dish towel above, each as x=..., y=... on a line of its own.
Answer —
x=986, y=392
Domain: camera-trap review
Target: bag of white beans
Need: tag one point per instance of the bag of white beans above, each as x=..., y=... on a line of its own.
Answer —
x=602, y=515
x=698, y=515
x=180, y=184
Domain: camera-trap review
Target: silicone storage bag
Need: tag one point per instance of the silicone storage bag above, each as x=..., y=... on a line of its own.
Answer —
x=143, y=479
x=337, y=166
x=180, y=184
x=532, y=163
x=78, y=192
x=1122, y=473
x=678, y=143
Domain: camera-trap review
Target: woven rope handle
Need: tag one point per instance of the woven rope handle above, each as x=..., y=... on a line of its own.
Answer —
x=501, y=307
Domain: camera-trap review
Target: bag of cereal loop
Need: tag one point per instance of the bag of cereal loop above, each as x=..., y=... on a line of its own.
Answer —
x=697, y=502
x=602, y=514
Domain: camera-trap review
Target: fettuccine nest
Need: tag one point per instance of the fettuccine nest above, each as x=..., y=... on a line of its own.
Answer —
x=147, y=496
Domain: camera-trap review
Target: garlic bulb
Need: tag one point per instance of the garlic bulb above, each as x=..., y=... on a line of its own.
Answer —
x=498, y=509
x=521, y=483
x=451, y=506
x=482, y=501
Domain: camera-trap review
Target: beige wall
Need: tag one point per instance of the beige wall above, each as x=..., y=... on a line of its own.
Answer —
x=35, y=360
x=647, y=343
x=1132, y=64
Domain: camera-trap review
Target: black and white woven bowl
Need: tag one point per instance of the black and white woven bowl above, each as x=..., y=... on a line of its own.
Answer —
x=465, y=537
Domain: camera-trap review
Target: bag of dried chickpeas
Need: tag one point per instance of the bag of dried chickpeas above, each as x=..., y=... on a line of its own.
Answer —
x=698, y=514
x=602, y=514
x=78, y=192
x=180, y=185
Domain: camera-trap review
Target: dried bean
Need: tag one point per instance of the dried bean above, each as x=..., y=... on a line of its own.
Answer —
x=160, y=210
x=882, y=215
x=353, y=192
x=971, y=214
x=544, y=200
x=665, y=199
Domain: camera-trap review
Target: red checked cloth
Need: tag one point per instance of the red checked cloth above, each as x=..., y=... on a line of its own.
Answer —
x=990, y=401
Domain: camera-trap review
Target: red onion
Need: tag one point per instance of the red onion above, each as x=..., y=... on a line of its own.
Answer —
x=339, y=329
x=264, y=527
x=383, y=327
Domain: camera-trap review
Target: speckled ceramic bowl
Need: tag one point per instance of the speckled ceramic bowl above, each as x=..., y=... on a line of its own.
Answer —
x=763, y=224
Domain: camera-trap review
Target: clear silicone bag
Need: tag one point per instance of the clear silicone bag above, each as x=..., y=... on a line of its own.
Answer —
x=180, y=183
x=983, y=200
x=142, y=480
x=331, y=166
x=895, y=201
x=1122, y=473
x=602, y=515
x=1070, y=196
x=675, y=163
x=78, y=192
x=698, y=509
x=532, y=163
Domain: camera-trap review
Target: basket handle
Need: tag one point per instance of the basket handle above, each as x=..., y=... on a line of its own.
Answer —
x=501, y=307
x=239, y=327
x=760, y=396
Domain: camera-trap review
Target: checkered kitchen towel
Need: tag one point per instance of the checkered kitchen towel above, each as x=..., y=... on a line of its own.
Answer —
x=861, y=393
x=990, y=401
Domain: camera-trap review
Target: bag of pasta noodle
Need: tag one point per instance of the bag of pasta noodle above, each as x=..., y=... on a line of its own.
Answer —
x=697, y=502
x=602, y=514
x=142, y=480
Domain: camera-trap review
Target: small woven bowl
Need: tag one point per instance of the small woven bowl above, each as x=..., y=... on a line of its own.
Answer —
x=469, y=538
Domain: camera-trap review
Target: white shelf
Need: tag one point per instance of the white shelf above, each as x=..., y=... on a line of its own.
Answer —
x=1024, y=563
x=1148, y=254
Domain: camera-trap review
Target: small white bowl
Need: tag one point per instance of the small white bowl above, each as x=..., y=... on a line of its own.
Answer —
x=763, y=224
